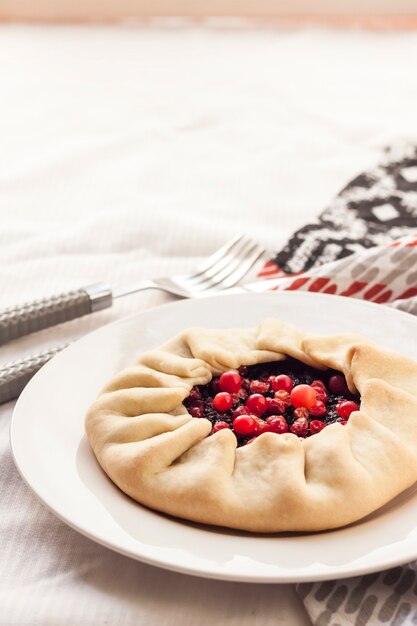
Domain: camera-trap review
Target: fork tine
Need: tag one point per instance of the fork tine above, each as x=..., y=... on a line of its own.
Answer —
x=243, y=269
x=237, y=252
x=218, y=255
x=231, y=263
x=187, y=285
x=234, y=271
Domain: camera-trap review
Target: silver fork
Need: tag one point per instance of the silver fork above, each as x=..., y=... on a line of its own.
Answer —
x=222, y=270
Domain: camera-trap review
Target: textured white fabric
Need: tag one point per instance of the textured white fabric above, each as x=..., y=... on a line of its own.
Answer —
x=130, y=152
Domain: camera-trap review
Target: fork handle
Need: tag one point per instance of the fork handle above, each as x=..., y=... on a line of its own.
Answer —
x=15, y=376
x=28, y=318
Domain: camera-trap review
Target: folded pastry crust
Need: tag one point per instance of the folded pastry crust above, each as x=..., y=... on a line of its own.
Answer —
x=149, y=445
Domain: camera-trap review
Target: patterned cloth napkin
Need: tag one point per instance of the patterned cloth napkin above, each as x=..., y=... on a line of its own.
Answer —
x=363, y=246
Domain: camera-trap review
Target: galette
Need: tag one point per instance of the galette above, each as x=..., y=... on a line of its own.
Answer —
x=265, y=429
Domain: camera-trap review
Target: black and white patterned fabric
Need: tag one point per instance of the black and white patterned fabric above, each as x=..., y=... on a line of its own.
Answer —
x=376, y=207
x=385, y=599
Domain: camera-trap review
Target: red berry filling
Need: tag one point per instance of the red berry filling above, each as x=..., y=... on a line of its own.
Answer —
x=337, y=384
x=241, y=410
x=316, y=426
x=281, y=383
x=301, y=412
x=303, y=396
x=277, y=424
x=318, y=409
x=230, y=382
x=245, y=425
x=257, y=403
x=300, y=427
x=276, y=406
x=284, y=396
x=223, y=401
x=277, y=397
x=344, y=409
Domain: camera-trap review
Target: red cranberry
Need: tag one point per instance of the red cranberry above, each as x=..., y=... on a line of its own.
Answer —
x=300, y=427
x=321, y=392
x=337, y=384
x=245, y=425
x=284, y=396
x=241, y=410
x=343, y=422
x=321, y=396
x=301, y=412
x=262, y=426
x=223, y=401
x=196, y=411
x=257, y=404
x=276, y=406
x=243, y=370
x=344, y=409
x=282, y=382
x=258, y=386
x=220, y=426
x=318, y=409
x=316, y=426
x=246, y=383
x=277, y=424
x=303, y=396
x=230, y=382
x=240, y=395
x=195, y=395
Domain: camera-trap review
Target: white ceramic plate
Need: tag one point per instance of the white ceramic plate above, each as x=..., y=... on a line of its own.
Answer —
x=54, y=458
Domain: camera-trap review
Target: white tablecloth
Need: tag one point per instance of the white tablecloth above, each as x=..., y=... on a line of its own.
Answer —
x=130, y=152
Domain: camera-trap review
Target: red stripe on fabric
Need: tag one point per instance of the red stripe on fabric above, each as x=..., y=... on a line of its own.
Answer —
x=408, y=293
x=269, y=268
x=373, y=291
x=395, y=244
x=296, y=284
x=411, y=244
x=384, y=297
x=268, y=265
x=356, y=286
x=292, y=275
x=318, y=284
x=332, y=289
x=269, y=273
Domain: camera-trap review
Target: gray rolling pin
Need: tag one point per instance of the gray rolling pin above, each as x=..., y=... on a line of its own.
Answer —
x=28, y=318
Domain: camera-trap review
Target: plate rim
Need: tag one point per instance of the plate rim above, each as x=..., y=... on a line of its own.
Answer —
x=198, y=571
